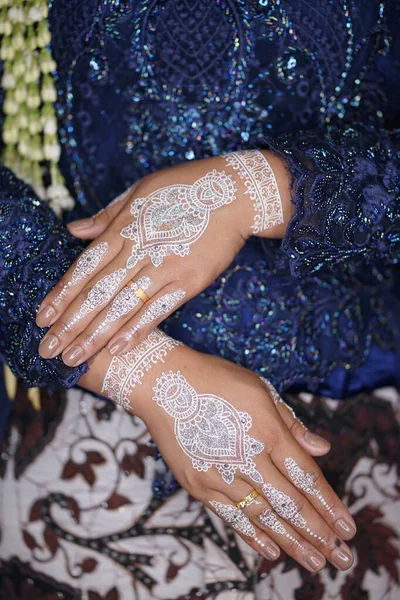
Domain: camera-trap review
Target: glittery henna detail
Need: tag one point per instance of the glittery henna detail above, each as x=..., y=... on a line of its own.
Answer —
x=127, y=370
x=209, y=429
x=261, y=186
x=269, y=519
x=235, y=517
x=171, y=219
x=286, y=508
x=159, y=308
x=101, y=293
x=124, y=302
x=86, y=264
x=305, y=482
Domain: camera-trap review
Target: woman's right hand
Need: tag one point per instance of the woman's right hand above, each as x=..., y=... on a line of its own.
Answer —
x=224, y=433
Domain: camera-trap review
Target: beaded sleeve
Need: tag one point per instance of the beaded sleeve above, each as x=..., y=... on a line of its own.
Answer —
x=35, y=250
x=346, y=191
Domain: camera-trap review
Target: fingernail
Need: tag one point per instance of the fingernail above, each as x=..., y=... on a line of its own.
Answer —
x=47, y=346
x=267, y=550
x=71, y=357
x=315, y=440
x=44, y=316
x=345, y=529
x=117, y=347
x=81, y=224
x=342, y=559
x=314, y=561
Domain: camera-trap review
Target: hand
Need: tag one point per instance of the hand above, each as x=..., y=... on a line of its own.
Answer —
x=168, y=238
x=219, y=430
x=304, y=516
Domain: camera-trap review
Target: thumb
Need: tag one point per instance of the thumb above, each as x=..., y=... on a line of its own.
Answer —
x=315, y=444
x=92, y=227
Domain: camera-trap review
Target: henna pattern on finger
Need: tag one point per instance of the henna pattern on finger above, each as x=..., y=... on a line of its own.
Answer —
x=100, y=294
x=269, y=519
x=124, y=302
x=210, y=431
x=237, y=519
x=260, y=182
x=277, y=399
x=127, y=370
x=157, y=309
x=171, y=219
x=305, y=482
x=286, y=508
x=86, y=264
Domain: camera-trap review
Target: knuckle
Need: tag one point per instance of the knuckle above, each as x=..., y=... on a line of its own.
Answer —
x=294, y=545
x=296, y=428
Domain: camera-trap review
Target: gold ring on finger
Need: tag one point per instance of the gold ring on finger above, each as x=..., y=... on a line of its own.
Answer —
x=247, y=500
x=141, y=294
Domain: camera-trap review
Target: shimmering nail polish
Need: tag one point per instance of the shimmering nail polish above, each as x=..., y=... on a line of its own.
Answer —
x=314, y=561
x=48, y=346
x=44, y=316
x=117, y=347
x=315, y=440
x=342, y=559
x=345, y=529
x=71, y=357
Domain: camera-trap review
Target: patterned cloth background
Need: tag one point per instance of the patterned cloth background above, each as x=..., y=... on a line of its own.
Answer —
x=81, y=522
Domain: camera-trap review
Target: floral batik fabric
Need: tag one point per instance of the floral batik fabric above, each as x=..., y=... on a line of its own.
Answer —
x=79, y=520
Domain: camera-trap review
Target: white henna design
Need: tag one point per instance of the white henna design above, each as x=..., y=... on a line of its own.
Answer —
x=261, y=186
x=157, y=309
x=278, y=400
x=124, y=302
x=86, y=264
x=127, y=370
x=209, y=430
x=171, y=219
x=286, y=508
x=235, y=517
x=101, y=293
x=269, y=519
x=305, y=482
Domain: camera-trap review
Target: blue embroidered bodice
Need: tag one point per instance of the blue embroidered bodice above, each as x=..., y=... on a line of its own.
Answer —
x=144, y=84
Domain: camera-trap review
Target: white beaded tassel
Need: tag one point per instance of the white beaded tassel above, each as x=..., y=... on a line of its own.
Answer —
x=30, y=125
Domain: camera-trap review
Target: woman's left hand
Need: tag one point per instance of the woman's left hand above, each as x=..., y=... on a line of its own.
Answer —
x=162, y=243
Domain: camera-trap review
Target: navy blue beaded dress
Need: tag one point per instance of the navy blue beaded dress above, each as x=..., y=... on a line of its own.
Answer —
x=145, y=84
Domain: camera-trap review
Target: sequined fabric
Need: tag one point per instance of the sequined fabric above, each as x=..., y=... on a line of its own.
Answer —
x=34, y=249
x=143, y=85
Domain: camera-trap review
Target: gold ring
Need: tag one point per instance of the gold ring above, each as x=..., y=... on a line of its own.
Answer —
x=247, y=500
x=141, y=294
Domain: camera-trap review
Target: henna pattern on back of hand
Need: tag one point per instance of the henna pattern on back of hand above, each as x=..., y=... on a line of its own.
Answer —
x=210, y=431
x=169, y=220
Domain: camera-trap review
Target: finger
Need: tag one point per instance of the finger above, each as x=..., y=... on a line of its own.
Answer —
x=307, y=477
x=264, y=517
x=110, y=320
x=313, y=443
x=87, y=266
x=253, y=535
x=294, y=508
x=164, y=303
x=93, y=298
x=91, y=228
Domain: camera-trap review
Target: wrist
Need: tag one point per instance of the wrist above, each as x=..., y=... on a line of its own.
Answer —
x=263, y=182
